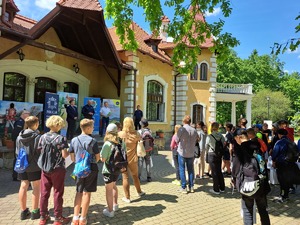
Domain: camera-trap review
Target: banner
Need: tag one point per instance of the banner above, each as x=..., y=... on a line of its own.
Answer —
x=64, y=99
x=96, y=102
x=114, y=105
x=9, y=115
x=51, y=107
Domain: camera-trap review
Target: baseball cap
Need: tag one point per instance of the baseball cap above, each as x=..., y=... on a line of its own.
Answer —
x=112, y=128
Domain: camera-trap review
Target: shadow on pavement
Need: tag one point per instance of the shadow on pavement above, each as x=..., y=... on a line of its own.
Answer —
x=157, y=197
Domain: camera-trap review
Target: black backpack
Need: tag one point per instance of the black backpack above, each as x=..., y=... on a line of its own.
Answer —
x=47, y=162
x=292, y=153
x=148, y=140
x=219, y=148
x=117, y=162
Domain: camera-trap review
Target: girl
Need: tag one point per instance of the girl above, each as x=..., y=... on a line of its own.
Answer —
x=174, y=145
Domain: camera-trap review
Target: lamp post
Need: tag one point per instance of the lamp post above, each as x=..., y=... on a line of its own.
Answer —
x=268, y=99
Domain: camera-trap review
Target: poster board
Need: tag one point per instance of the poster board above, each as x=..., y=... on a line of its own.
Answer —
x=96, y=102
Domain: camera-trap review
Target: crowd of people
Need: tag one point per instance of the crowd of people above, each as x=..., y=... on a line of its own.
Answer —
x=241, y=154
x=228, y=151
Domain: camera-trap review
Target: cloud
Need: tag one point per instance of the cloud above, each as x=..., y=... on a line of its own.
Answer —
x=46, y=4
x=214, y=13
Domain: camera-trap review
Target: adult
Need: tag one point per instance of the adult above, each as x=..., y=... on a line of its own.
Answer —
x=214, y=159
x=88, y=110
x=287, y=172
x=105, y=113
x=266, y=131
x=11, y=113
x=72, y=115
x=137, y=116
x=202, y=138
x=187, y=138
x=18, y=127
x=228, y=149
x=130, y=138
x=244, y=149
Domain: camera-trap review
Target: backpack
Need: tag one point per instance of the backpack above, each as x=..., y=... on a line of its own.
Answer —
x=263, y=146
x=252, y=177
x=219, y=147
x=292, y=153
x=22, y=161
x=46, y=161
x=148, y=140
x=117, y=161
x=83, y=166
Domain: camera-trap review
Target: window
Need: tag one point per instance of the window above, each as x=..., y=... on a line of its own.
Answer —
x=194, y=75
x=203, y=71
x=155, y=105
x=7, y=16
x=14, y=87
x=71, y=87
x=42, y=86
x=197, y=113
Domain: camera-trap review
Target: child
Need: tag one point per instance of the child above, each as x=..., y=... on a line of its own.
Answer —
x=111, y=140
x=84, y=186
x=55, y=178
x=201, y=161
x=29, y=139
x=174, y=145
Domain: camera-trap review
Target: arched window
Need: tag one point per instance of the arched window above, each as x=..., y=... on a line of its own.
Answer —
x=203, y=71
x=197, y=113
x=14, y=87
x=71, y=87
x=43, y=85
x=194, y=75
x=155, y=104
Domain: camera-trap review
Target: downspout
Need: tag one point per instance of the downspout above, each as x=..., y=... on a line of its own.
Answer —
x=134, y=89
x=175, y=97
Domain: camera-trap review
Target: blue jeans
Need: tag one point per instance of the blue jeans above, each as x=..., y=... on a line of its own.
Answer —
x=104, y=124
x=189, y=162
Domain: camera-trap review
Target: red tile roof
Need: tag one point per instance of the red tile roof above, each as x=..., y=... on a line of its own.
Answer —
x=140, y=36
x=93, y=5
x=165, y=19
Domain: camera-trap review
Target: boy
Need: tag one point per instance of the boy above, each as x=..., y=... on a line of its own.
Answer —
x=29, y=139
x=84, y=186
x=56, y=177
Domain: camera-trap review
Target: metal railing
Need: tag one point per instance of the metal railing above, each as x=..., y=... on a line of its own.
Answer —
x=234, y=88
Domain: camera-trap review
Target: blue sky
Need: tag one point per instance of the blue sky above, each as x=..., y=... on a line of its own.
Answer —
x=256, y=23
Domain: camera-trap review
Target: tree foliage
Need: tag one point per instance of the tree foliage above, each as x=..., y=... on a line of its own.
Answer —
x=260, y=106
x=187, y=32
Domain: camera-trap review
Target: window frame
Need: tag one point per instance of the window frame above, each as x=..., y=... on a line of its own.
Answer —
x=155, y=99
x=21, y=88
x=203, y=74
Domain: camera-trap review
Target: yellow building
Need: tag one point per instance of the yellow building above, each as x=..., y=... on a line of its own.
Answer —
x=71, y=50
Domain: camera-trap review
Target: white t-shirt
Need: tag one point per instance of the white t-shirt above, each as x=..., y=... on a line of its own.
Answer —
x=105, y=111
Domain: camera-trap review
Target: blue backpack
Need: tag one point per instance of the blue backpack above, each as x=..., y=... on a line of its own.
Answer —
x=22, y=161
x=83, y=165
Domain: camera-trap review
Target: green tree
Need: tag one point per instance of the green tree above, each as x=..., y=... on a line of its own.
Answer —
x=260, y=106
x=188, y=32
x=289, y=84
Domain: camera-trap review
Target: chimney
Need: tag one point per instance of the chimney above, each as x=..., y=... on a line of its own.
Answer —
x=163, y=29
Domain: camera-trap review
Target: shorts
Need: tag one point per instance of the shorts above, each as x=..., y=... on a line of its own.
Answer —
x=30, y=176
x=226, y=155
x=108, y=178
x=87, y=184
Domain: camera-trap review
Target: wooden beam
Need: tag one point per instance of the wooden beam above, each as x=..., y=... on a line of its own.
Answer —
x=64, y=52
x=11, y=50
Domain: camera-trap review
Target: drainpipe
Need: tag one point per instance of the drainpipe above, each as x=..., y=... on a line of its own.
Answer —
x=134, y=89
x=175, y=97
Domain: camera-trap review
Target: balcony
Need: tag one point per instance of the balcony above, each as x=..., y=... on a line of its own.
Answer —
x=228, y=88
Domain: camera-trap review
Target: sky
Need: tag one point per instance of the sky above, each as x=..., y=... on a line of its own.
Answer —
x=257, y=24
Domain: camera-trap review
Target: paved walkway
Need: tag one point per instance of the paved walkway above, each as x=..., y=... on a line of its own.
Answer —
x=162, y=204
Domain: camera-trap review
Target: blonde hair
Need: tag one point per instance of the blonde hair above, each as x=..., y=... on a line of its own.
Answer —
x=85, y=123
x=176, y=128
x=111, y=137
x=186, y=119
x=30, y=121
x=128, y=125
x=55, y=121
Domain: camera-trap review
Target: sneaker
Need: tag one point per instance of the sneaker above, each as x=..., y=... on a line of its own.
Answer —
x=126, y=200
x=35, y=215
x=108, y=213
x=192, y=190
x=292, y=191
x=75, y=222
x=149, y=179
x=141, y=194
x=116, y=207
x=44, y=219
x=214, y=192
x=61, y=220
x=82, y=222
x=281, y=200
x=183, y=190
x=222, y=191
x=25, y=214
x=197, y=176
x=176, y=182
x=202, y=177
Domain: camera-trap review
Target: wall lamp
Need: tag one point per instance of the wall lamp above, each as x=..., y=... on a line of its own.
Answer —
x=21, y=54
x=76, y=67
